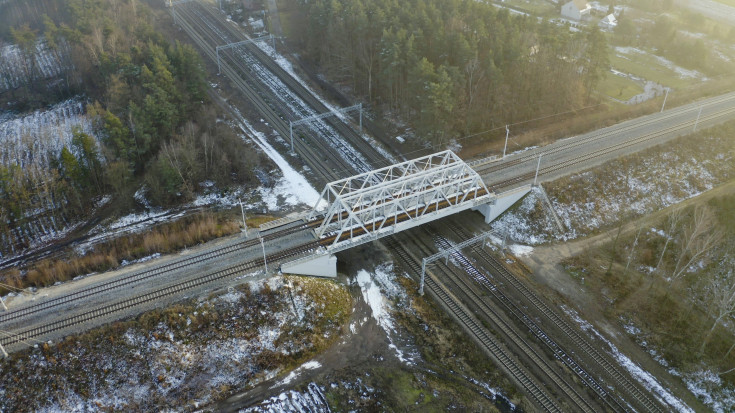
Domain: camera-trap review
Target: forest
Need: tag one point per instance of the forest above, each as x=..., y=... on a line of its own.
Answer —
x=451, y=67
x=152, y=122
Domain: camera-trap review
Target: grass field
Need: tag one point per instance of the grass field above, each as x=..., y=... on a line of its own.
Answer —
x=535, y=7
x=727, y=2
x=619, y=87
x=647, y=67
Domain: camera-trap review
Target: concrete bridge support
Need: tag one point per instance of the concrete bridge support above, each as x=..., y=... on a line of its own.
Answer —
x=501, y=203
x=319, y=265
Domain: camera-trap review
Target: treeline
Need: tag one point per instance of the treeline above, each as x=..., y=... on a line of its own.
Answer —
x=150, y=114
x=452, y=67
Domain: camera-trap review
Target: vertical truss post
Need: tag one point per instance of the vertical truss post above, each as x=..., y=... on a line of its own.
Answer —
x=219, y=65
x=5, y=353
x=507, y=132
x=360, y=118
x=697, y=121
x=665, y=97
x=538, y=165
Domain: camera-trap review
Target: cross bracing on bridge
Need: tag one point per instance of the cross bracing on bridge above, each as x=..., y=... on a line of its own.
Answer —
x=374, y=204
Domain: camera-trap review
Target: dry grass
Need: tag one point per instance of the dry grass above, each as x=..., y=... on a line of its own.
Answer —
x=164, y=239
x=672, y=315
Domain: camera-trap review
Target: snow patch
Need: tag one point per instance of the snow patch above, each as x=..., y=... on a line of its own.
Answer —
x=643, y=377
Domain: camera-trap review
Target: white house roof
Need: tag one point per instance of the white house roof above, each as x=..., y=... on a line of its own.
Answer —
x=581, y=4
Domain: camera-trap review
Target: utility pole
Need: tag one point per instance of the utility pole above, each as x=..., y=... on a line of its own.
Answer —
x=538, y=165
x=423, y=273
x=507, y=132
x=697, y=121
x=244, y=224
x=265, y=261
x=290, y=129
x=665, y=97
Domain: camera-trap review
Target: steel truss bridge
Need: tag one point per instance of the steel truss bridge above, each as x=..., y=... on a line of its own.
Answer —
x=379, y=203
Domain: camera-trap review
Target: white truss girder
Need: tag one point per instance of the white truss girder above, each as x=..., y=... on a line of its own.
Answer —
x=387, y=200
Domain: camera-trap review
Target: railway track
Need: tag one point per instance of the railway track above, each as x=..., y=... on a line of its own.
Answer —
x=323, y=149
x=46, y=329
x=375, y=158
x=500, y=354
x=571, y=143
x=454, y=282
x=602, y=362
x=316, y=163
x=137, y=277
x=595, y=154
x=523, y=319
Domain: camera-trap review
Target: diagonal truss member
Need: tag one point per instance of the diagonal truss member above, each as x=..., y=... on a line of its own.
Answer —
x=391, y=199
x=449, y=251
x=322, y=116
x=241, y=43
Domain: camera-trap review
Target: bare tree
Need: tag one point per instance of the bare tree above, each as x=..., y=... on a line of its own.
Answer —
x=697, y=239
x=632, y=252
x=720, y=291
x=672, y=222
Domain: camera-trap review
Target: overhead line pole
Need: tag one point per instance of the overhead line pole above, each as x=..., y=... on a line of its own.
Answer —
x=697, y=121
x=538, y=165
x=447, y=252
x=241, y=43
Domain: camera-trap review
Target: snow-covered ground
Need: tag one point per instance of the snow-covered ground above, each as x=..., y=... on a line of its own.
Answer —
x=310, y=400
x=189, y=358
x=30, y=139
x=642, y=184
x=380, y=290
x=16, y=68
